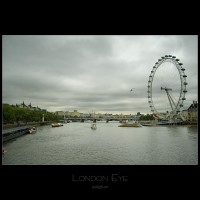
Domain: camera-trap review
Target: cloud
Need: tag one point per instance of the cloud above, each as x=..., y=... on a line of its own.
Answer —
x=95, y=72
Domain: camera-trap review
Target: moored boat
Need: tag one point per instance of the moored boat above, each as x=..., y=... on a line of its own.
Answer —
x=56, y=124
x=33, y=130
x=60, y=124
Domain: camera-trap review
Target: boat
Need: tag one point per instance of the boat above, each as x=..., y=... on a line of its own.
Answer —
x=60, y=124
x=56, y=124
x=130, y=124
x=94, y=127
x=33, y=130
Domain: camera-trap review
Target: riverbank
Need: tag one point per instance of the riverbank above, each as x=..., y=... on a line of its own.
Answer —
x=8, y=126
x=153, y=123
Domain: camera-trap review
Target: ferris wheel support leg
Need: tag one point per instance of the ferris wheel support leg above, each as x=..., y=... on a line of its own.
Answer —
x=169, y=100
x=172, y=101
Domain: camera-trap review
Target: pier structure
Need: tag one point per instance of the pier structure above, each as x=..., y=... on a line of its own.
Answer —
x=13, y=133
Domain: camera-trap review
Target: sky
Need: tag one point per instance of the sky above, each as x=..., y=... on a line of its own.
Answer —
x=95, y=73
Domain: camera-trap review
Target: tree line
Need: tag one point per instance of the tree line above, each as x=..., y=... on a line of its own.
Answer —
x=13, y=114
x=147, y=117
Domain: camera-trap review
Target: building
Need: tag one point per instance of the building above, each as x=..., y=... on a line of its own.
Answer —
x=71, y=114
x=84, y=115
x=22, y=105
x=191, y=114
x=75, y=113
x=30, y=107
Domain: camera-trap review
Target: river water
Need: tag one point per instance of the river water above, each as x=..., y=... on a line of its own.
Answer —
x=77, y=144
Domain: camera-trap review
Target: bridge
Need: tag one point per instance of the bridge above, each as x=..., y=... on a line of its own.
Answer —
x=83, y=119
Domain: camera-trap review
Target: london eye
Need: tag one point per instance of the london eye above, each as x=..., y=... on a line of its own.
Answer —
x=166, y=92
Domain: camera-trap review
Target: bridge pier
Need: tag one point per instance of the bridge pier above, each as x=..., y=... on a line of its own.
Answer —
x=107, y=120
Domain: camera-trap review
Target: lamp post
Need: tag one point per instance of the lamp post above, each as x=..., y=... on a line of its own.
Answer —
x=42, y=118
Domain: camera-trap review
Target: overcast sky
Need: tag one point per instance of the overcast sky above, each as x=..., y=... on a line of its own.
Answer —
x=95, y=73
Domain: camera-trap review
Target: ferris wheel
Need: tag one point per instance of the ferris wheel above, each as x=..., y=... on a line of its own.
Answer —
x=174, y=104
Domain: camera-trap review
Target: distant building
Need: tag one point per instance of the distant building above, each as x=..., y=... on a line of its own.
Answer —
x=98, y=115
x=30, y=107
x=22, y=105
x=191, y=114
x=84, y=115
x=75, y=113
x=60, y=113
x=71, y=114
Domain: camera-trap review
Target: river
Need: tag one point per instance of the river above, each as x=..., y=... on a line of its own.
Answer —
x=77, y=144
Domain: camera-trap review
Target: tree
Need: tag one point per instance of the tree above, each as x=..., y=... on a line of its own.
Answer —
x=147, y=117
x=8, y=113
x=12, y=113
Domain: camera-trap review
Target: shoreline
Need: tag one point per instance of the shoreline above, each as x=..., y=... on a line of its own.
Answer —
x=9, y=126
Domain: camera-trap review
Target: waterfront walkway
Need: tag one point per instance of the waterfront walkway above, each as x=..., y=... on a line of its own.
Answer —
x=12, y=133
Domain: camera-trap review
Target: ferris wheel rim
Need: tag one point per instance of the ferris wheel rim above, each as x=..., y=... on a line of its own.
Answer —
x=183, y=90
